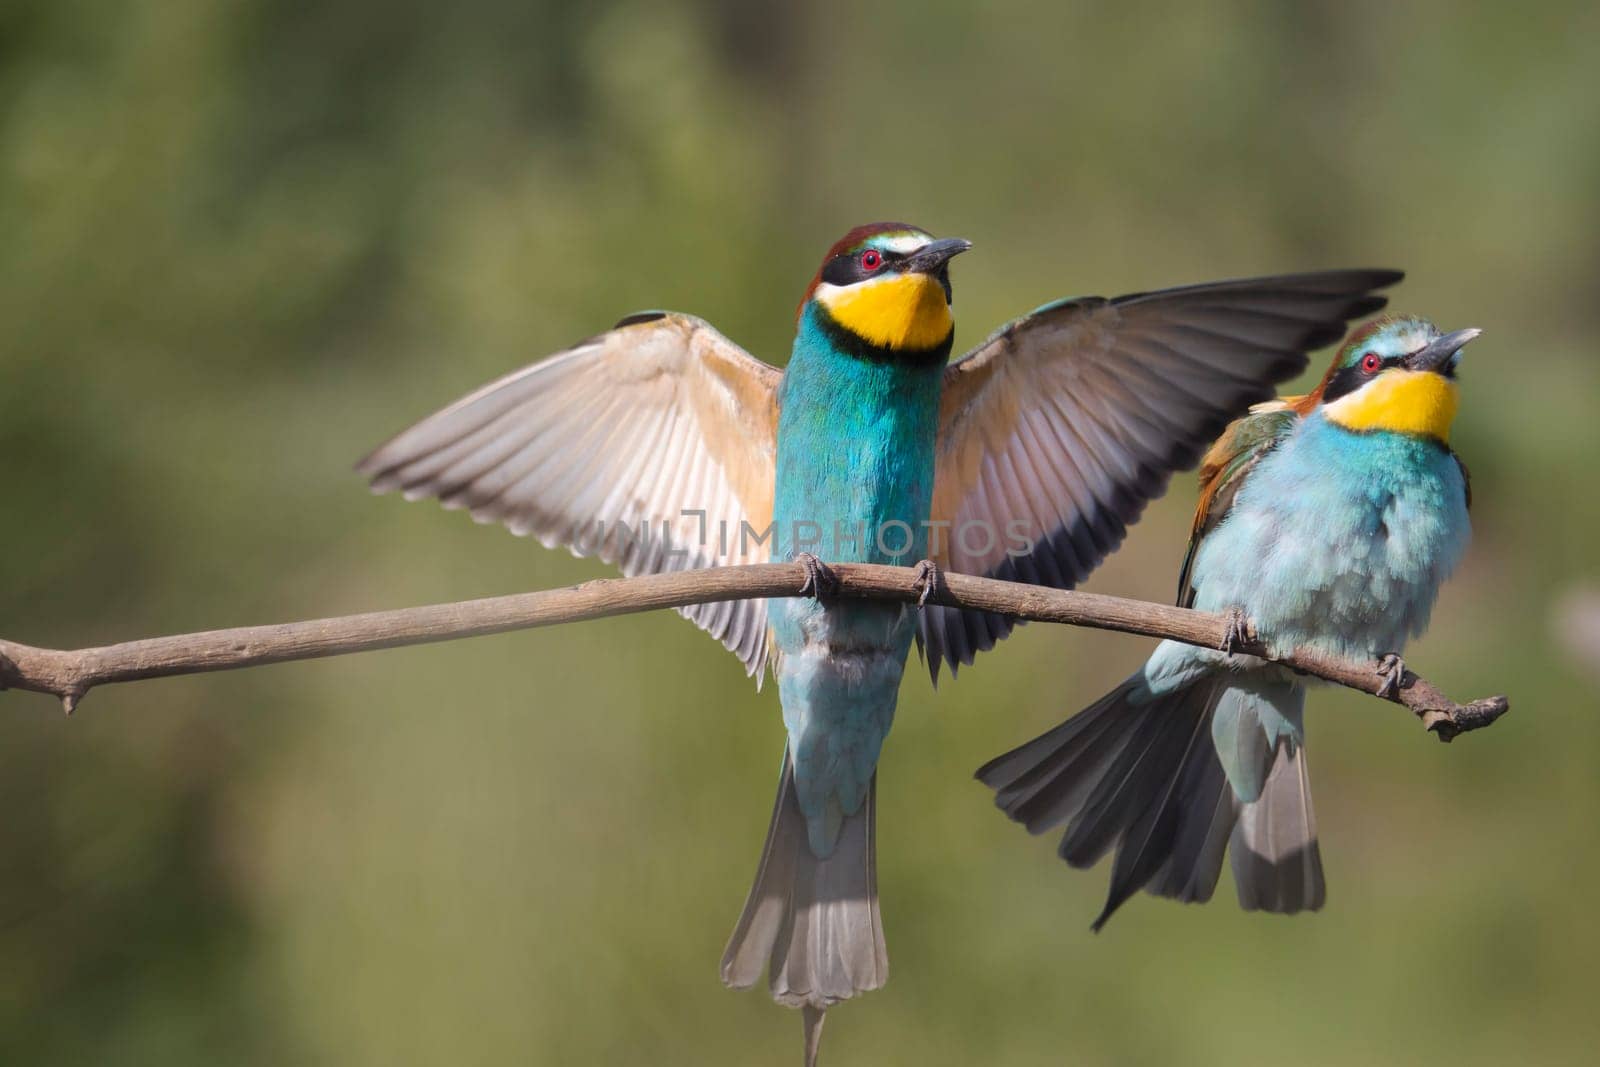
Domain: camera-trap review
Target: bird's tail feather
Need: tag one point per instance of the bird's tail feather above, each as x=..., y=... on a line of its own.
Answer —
x=1141, y=772
x=1277, y=864
x=1134, y=771
x=812, y=923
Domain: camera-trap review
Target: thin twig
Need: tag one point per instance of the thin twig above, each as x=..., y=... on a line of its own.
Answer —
x=69, y=675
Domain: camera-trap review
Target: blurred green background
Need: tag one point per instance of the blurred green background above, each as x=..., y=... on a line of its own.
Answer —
x=243, y=242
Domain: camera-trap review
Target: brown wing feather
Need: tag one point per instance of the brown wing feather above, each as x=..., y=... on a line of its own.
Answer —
x=602, y=448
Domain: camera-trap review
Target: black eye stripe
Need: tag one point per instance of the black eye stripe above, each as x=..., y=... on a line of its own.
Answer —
x=846, y=269
x=1353, y=377
x=840, y=270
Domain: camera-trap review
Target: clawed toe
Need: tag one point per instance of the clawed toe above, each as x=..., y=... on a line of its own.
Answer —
x=1238, y=632
x=820, y=581
x=1393, y=669
x=927, y=581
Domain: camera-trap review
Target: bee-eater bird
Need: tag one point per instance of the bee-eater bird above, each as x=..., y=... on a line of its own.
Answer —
x=1327, y=521
x=1026, y=459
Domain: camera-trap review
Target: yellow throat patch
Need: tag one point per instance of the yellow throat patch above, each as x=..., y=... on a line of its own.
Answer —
x=1420, y=403
x=896, y=311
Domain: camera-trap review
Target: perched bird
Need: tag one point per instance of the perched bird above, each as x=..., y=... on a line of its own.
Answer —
x=1025, y=459
x=1328, y=521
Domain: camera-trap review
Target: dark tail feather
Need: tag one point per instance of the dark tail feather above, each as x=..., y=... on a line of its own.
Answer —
x=1277, y=865
x=1178, y=840
x=1143, y=776
x=1204, y=824
x=812, y=923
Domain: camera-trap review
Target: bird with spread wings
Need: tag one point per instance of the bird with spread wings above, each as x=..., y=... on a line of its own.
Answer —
x=1054, y=433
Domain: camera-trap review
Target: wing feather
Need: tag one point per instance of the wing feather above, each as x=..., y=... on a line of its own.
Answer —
x=1070, y=419
x=604, y=447
x=1223, y=470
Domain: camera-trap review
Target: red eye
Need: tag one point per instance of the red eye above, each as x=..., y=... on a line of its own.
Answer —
x=1370, y=362
x=871, y=260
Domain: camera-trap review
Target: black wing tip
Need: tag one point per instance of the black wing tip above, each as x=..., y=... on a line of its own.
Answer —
x=1351, y=280
x=1366, y=277
x=1366, y=305
x=639, y=318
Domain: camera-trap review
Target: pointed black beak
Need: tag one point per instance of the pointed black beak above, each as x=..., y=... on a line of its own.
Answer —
x=1437, y=354
x=934, y=258
x=931, y=257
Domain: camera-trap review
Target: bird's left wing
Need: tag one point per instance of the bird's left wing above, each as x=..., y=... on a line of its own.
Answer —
x=1224, y=468
x=651, y=447
x=1055, y=432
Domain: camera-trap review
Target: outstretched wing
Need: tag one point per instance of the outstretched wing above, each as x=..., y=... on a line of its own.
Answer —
x=1224, y=468
x=647, y=447
x=1057, y=430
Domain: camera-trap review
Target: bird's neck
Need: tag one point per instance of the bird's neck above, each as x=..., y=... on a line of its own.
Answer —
x=879, y=327
x=855, y=441
x=1370, y=457
x=838, y=371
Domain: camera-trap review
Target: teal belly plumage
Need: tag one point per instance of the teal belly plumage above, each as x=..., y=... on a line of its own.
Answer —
x=854, y=484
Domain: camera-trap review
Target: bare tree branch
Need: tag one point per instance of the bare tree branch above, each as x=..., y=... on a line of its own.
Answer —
x=68, y=675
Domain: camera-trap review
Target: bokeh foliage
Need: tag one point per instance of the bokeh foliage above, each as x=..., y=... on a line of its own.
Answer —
x=246, y=240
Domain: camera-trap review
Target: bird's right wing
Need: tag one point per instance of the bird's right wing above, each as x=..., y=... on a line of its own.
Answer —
x=1055, y=431
x=649, y=446
x=1226, y=465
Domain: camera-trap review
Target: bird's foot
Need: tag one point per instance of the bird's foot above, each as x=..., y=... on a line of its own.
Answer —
x=1238, y=632
x=927, y=581
x=820, y=582
x=1393, y=669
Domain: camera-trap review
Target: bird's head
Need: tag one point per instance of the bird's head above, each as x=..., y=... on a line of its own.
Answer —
x=886, y=287
x=1396, y=374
